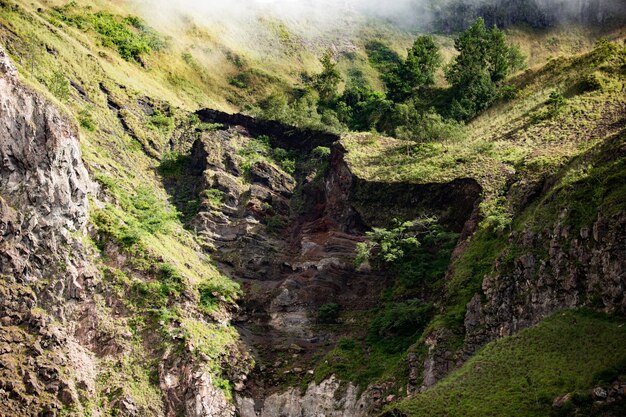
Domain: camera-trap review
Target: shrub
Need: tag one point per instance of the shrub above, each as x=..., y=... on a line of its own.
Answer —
x=497, y=216
x=400, y=324
x=591, y=82
x=556, y=101
x=328, y=313
x=150, y=212
x=211, y=293
x=214, y=197
x=173, y=164
x=390, y=245
x=170, y=279
x=59, y=86
x=158, y=120
x=130, y=35
x=86, y=121
x=240, y=80
x=426, y=126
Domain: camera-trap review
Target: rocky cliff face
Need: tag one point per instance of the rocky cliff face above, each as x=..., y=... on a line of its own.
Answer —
x=290, y=239
x=273, y=233
x=546, y=265
x=44, y=268
x=546, y=271
x=63, y=320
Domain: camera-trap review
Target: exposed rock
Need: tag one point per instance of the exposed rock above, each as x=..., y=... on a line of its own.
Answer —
x=561, y=400
x=330, y=398
x=43, y=207
x=577, y=271
x=190, y=389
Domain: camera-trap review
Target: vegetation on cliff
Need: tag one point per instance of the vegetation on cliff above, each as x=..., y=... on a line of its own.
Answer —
x=545, y=145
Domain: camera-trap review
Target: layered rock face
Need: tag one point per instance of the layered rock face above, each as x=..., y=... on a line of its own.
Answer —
x=44, y=269
x=275, y=234
x=329, y=398
x=60, y=323
x=584, y=267
x=291, y=241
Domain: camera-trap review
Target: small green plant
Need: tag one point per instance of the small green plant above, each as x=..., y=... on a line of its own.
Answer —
x=161, y=121
x=497, y=216
x=398, y=325
x=150, y=212
x=328, y=313
x=86, y=121
x=171, y=281
x=214, y=198
x=212, y=293
x=59, y=85
x=390, y=245
x=556, y=101
x=173, y=164
x=240, y=80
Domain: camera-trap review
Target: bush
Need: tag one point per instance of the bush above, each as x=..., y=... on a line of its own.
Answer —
x=59, y=86
x=426, y=126
x=591, y=82
x=173, y=164
x=150, y=212
x=497, y=216
x=170, y=279
x=158, y=120
x=328, y=313
x=130, y=35
x=391, y=245
x=212, y=293
x=400, y=324
x=214, y=198
x=86, y=121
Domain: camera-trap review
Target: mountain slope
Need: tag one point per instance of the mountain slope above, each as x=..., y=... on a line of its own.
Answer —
x=197, y=263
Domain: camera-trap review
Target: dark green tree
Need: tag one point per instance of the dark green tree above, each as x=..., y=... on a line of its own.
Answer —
x=326, y=82
x=484, y=60
x=416, y=71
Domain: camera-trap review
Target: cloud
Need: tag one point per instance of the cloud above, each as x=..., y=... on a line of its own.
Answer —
x=421, y=15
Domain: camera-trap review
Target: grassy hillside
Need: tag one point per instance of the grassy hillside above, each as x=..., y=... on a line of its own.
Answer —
x=131, y=85
x=521, y=375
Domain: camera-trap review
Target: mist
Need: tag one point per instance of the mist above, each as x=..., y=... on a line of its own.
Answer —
x=312, y=17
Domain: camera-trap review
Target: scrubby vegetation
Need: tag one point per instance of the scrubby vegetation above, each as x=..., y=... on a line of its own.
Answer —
x=453, y=111
x=411, y=107
x=521, y=375
x=130, y=36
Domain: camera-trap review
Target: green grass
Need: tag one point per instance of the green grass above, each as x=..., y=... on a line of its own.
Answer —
x=510, y=136
x=522, y=374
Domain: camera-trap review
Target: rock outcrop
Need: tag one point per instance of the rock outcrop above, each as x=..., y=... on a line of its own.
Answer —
x=580, y=267
x=330, y=398
x=290, y=240
x=44, y=269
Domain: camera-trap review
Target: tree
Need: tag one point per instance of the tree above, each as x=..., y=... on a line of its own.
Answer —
x=328, y=80
x=417, y=71
x=422, y=62
x=484, y=60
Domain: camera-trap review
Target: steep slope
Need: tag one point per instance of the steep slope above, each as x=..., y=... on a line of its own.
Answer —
x=199, y=263
x=44, y=266
x=524, y=375
x=549, y=233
